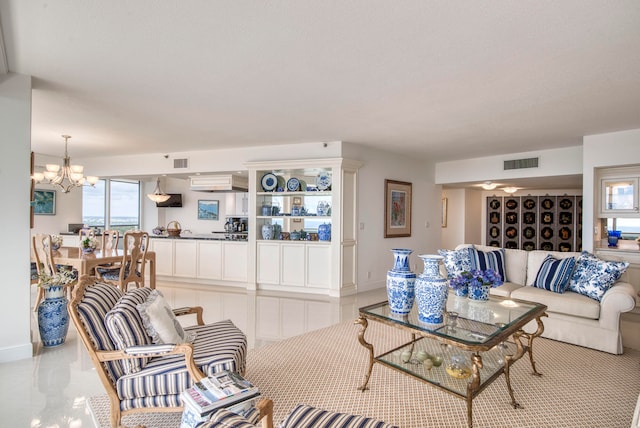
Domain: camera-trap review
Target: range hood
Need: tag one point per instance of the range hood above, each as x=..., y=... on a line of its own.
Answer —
x=219, y=183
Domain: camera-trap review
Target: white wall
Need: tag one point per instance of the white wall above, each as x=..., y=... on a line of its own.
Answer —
x=15, y=123
x=604, y=150
x=555, y=162
x=454, y=233
x=374, y=250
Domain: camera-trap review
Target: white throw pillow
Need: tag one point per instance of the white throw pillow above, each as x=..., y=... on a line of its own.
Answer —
x=160, y=322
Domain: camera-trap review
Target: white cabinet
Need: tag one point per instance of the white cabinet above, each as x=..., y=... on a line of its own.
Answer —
x=184, y=258
x=201, y=260
x=71, y=240
x=619, y=192
x=234, y=261
x=164, y=255
x=209, y=259
x=299, y=196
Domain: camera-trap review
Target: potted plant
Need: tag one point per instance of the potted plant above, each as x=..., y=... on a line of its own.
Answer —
x=56, y=242
x=476, y=283
x=53, y=317
x=89, y=244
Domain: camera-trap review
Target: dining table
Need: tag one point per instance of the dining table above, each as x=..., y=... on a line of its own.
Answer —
x=84, y=263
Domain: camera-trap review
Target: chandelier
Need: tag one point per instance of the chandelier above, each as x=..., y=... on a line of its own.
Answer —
x=67, y=176
x=158, y=195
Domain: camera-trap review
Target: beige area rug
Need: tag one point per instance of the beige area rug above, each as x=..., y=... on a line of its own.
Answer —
x=579, y=387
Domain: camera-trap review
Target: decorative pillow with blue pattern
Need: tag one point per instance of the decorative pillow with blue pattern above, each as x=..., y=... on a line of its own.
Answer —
x=592, y=277
x=554, y=274
x=456, y=261
x=483, y=260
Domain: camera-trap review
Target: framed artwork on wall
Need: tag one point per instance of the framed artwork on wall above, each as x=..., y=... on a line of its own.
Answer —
x=207, y=210
x=397, y=209
x=44, y=202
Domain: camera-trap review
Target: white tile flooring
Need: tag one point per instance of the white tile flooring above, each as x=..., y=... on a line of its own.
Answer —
x=50, y=389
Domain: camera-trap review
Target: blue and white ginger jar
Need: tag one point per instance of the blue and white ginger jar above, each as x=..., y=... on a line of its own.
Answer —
x=401, y=283
x=324, y=232
x=53, y=316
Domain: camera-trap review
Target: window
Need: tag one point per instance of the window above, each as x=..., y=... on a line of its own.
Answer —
x=120, y=210
x=630, y=227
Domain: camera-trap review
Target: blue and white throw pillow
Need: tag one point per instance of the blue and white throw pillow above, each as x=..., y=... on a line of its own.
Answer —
x=554, y=274
x=592, y=277
x=456, y=261
x=483, y=260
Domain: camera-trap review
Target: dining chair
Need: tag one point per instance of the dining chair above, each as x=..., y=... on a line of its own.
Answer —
x=86, y=233
x=43, y=256
x=110, y=239
x=133, y=264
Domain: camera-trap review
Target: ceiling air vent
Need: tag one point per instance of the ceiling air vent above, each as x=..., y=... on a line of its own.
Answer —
x=181, y=163
x=521, y=163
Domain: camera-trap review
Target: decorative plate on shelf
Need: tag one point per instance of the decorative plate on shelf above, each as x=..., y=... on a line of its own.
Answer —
x=281, y=184
x=323, y=181
x=269, y=182
x=293, y=184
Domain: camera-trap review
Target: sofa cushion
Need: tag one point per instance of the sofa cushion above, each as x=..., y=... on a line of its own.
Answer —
x=536, y=257
x=483, y=260
x=554, y=274
x=593, y=277
x=307, y=417
x=126, y=328
x=456, y=261
x=567, y=303
x=225, y=419
x=505, y=289
x=515, y=263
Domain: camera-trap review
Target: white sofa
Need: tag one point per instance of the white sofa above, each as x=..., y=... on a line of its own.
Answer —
x=572, y=317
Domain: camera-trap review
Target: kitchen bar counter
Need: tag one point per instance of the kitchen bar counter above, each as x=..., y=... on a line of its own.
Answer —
x=215, y=236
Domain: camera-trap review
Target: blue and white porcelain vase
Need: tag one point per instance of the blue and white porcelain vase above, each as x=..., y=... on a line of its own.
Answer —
x=401, y=283
x=53, y=316
x=431, y=291
x=479, y=293
x=324, y=232
x=267, y=231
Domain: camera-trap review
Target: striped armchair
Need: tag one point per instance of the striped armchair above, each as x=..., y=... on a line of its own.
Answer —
x=303, y=416
x=139, y=375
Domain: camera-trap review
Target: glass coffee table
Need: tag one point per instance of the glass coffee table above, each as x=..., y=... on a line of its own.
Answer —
x=476, y=344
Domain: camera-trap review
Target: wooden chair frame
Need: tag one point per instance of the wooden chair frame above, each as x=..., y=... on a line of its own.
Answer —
x=134, y=260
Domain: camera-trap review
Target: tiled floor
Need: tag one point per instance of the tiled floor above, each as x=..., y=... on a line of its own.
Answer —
x=50, y=389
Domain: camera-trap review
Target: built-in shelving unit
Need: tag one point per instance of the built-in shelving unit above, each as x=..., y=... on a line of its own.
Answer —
x=293, y=257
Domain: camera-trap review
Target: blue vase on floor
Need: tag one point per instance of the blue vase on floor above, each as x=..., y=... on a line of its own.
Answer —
x=401, y=283
x=53, y=316
x=431, y=291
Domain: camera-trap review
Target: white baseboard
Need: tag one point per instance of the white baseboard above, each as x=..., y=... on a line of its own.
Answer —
x=14, y=353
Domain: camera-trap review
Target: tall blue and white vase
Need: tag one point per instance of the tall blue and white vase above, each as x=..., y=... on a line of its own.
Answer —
x=53, y=316
x=401, y=283
x=431, y=291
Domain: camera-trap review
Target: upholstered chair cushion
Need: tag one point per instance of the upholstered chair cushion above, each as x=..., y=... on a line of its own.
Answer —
x=98, y=300
x=226, y=419
x=126, y=328
x=218, y=346
x=307, y=417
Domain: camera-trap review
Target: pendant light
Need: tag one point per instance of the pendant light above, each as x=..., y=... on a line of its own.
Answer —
x=158, y=195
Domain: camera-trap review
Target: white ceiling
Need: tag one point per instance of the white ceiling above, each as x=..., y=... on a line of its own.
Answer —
x=440, y=80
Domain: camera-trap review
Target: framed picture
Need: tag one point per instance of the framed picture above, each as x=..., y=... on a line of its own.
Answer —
x=207, y=210
x=444, y=212
x=397, y=209
x=44, y=202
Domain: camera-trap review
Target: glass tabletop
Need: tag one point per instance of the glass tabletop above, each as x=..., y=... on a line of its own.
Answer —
x=466, y=321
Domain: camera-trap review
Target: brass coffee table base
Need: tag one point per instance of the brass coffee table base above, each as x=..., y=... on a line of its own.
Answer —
x=475, y=384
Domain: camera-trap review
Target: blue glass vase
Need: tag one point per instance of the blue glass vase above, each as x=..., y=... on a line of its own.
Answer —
x=613, y=236
x=401, y=283
x=431, y=291
x=53, y=316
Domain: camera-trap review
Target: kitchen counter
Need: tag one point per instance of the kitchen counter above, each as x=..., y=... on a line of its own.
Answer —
x=215, y=236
